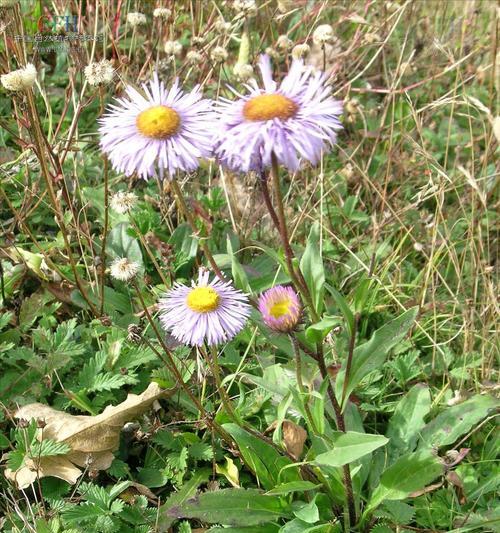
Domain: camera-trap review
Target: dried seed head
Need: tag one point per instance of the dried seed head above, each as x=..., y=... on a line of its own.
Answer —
x=243, y=71
x=284, y=43
x=300, y=51
x=136, y=19
x=21, y=79
x=122, y=202
x=218, y=54
x=162, y=13
x=197, y=41
x=99, y=73
x=272, y=52
x=193, y=57
x=323, y=34
x=221, y=26
x=245, y=8
x=173, y=48
x=123, y=269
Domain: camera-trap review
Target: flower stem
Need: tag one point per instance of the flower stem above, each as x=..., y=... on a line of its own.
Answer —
x=350, y=354
x=341, y=427
x=106, y=211
x=279, y=221
x=187, y=214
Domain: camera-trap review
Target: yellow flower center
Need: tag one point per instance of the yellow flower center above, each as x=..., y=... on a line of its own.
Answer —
x=269, y=106
x=280, y=308
x=203, y=299
x=158, y=122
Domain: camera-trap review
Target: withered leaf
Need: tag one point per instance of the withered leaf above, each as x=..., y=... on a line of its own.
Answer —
x=92, y=439
x=294, y=437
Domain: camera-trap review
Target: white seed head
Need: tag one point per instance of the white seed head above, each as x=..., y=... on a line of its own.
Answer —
x=99, y=73
x=193, y=57
x=246, y=8
x=284, y=43
x=198, y=41
x=162, y=13
x=243, y=71
x=221, y=26
x=122, y=201
x=323, y=34
x=299, y=51
x=123, y=269
x=173, y=48
x=136, y=19
x=218, y=54
x=21, y=79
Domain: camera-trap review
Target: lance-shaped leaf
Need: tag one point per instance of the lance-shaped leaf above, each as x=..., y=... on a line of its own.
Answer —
x=371, y=355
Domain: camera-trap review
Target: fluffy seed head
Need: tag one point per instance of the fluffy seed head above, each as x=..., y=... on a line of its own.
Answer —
x=198, y=41
x=136, y=19
x=99, y=73
x=193, y=57
x=123, y=269
x=221, y=26
x=122, y=202
x=300, y=51
x=284, y=43
x=246, y=8
x=173, y=48
x=21, y=79
x=280, y=308
x=272, y=52
x=323, y=34
x=162, y=13
x=218, y=54
x=243, y=71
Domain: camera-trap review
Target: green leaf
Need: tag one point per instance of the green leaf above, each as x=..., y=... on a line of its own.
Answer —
x=343, y=306
x=311, y=266
x=408, y=418
x=167, y=512
x=455, y=421
x=349, y=447
x=239, y=275
x=371, y=355
x=400, y=511
x=264, y=461
x=308, y=513
x=409, y=473
x=233, y=507
x=263, y=528
x=318, y=331
x=293, y=486
x=4, y=442
x=121, y=244
x=48, y=448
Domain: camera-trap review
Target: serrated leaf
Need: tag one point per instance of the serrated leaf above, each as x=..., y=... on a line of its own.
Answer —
x=49, y=447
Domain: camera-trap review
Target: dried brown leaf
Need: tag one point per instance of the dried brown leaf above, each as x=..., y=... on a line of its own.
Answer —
x=92, y=439
x=294, y=437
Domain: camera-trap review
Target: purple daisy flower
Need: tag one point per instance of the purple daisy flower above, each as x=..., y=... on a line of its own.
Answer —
x=164, y=129
x=280, y=308
x=205, y=312
x=296, y=120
